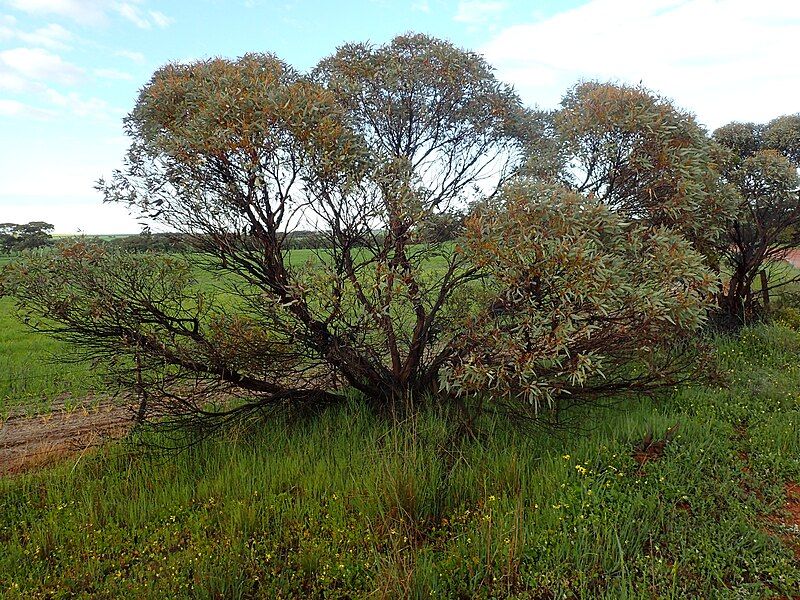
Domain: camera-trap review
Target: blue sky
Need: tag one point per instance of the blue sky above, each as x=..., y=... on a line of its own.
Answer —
x=71, y=69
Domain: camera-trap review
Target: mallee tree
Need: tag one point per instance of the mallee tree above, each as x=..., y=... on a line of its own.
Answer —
x=762, y=166
x=28, y=236
x=644, y=158
x=548, y=296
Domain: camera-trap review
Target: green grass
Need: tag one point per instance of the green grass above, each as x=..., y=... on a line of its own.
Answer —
x=34, y=369
x=348, y=506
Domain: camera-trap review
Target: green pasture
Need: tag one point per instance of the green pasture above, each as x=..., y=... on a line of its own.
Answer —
x=34, y=369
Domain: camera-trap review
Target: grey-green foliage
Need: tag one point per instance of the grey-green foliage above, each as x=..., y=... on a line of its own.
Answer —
x=580, y=304
x=645, y=158
x=762, y=166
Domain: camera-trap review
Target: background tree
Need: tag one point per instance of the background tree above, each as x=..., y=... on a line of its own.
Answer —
x=146, y=241
x=7, y=237
x=762, y=166
x=441, y=227
x=375, y=144
x=646, y=159
x=28, y=236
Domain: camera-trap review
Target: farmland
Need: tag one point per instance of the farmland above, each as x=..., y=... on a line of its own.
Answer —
x=351, y=505
x=34, y=370
x=592, y=397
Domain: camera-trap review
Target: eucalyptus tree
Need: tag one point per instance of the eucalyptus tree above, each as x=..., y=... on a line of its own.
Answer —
x=644, y=158
x=762, y=165
x=28, y=236
x=369, y=149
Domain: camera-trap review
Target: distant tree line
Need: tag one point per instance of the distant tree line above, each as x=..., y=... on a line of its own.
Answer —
x=15, y=238
x=181, y=242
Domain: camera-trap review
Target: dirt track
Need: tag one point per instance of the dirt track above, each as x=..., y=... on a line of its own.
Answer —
x=29, y=442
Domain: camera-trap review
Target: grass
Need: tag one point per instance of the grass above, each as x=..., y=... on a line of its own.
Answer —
x=349, y=507
x=35, y=369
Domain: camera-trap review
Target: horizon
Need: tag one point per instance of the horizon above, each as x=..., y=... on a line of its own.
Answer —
x=71, y=69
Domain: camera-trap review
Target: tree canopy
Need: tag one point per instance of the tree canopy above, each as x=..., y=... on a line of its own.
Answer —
x=35, y=234
x=643, y=157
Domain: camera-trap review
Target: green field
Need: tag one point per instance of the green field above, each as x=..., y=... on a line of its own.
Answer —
x=349, y=506
x=35, y=370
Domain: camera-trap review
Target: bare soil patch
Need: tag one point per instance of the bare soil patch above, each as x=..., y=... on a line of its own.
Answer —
x=793, y=258
x=31, y=442
x=788, y=522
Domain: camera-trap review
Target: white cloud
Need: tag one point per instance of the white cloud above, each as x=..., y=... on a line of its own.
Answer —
x=13, y=82
x=14, y=108
x=723, y=59
x=90, y=12
x=160, y=18
x=133, y=14
x=136, y=57
x=10, y=107
x=476, y=12
x=7, y=25
x=421, y=6
x=136, y=15
x=34, y=72
x=56, y=104
x=79, y=106
x=113, y=74
x=94, y=12
x=36, y=64
x=52, y=36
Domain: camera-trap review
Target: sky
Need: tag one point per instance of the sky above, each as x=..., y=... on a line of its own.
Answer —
x=71, y=69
